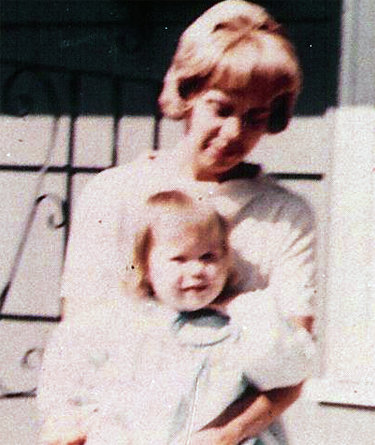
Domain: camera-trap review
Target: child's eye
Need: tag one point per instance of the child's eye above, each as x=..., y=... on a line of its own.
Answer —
x=209, y=257
x=178, y=259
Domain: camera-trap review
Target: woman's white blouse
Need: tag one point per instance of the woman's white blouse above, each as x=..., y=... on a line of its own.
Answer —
x=273, y=234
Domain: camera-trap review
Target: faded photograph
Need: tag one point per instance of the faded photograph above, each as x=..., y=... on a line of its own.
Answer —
x=187, y=222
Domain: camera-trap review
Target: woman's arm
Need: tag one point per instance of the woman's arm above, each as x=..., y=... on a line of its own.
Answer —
x=247, y=417
x=253, y=413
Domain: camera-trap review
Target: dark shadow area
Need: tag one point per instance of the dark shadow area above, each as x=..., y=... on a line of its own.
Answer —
x=109, y=56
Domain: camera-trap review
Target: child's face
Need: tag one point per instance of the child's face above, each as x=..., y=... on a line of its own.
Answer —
x=187, y=266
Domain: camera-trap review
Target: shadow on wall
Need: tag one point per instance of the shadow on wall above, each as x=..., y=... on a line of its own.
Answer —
x=63, y=57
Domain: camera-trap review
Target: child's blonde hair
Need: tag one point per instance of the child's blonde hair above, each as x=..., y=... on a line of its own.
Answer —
x=235, y=45
x=160, y=205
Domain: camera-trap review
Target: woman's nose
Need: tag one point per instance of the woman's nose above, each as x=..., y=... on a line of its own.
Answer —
x=231, y=128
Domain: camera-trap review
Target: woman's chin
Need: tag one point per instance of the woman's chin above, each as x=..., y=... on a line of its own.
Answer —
x=214, y=171
x=212, y=166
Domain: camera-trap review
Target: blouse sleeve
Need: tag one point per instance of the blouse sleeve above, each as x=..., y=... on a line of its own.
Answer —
x=274, y=242
x=271, y=351
x=293, y=274
x=276, y=237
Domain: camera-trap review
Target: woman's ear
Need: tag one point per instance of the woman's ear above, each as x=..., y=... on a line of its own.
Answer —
x=281, y=110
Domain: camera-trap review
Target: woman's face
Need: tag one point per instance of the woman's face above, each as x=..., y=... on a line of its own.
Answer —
x=222, y=128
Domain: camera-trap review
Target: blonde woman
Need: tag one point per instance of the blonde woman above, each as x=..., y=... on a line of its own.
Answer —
x=234, y=78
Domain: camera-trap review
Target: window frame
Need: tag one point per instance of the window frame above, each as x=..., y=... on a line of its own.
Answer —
x=347, y=375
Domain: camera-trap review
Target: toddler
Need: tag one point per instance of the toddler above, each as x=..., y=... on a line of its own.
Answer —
x=169, y=359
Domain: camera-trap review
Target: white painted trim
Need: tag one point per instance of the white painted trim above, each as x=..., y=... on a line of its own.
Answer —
x=349, y=326
x=348, y=35
x=348, y=362
x=357, y=70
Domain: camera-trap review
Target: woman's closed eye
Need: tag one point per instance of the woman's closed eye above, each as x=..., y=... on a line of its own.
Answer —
x=255, y=117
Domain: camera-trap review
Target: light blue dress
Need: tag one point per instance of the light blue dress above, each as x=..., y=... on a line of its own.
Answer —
x=222, y=375
x=177, y=371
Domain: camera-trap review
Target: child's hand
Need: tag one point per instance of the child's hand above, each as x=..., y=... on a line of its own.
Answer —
x=61, y=431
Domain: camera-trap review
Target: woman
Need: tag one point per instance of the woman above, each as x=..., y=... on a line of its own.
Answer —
x=234, y=78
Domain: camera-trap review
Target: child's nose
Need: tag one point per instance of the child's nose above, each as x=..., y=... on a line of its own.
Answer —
x=196, y=268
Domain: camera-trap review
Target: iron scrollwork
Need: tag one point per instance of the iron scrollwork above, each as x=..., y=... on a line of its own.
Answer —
x=61, y=204
x=19, y=101
x=31, y=361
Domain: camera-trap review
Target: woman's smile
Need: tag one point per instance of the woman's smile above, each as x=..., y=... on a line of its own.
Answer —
x=227, y=151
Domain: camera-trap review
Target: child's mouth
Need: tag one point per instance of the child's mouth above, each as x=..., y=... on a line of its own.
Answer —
x=197, y=288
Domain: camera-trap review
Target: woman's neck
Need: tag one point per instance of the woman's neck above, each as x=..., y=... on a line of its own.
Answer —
x=185, y=165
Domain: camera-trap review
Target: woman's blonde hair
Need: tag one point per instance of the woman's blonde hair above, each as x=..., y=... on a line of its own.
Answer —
x=169, y=203
x=235, y=45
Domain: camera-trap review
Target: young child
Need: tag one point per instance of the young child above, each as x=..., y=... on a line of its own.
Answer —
x=161, y=368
